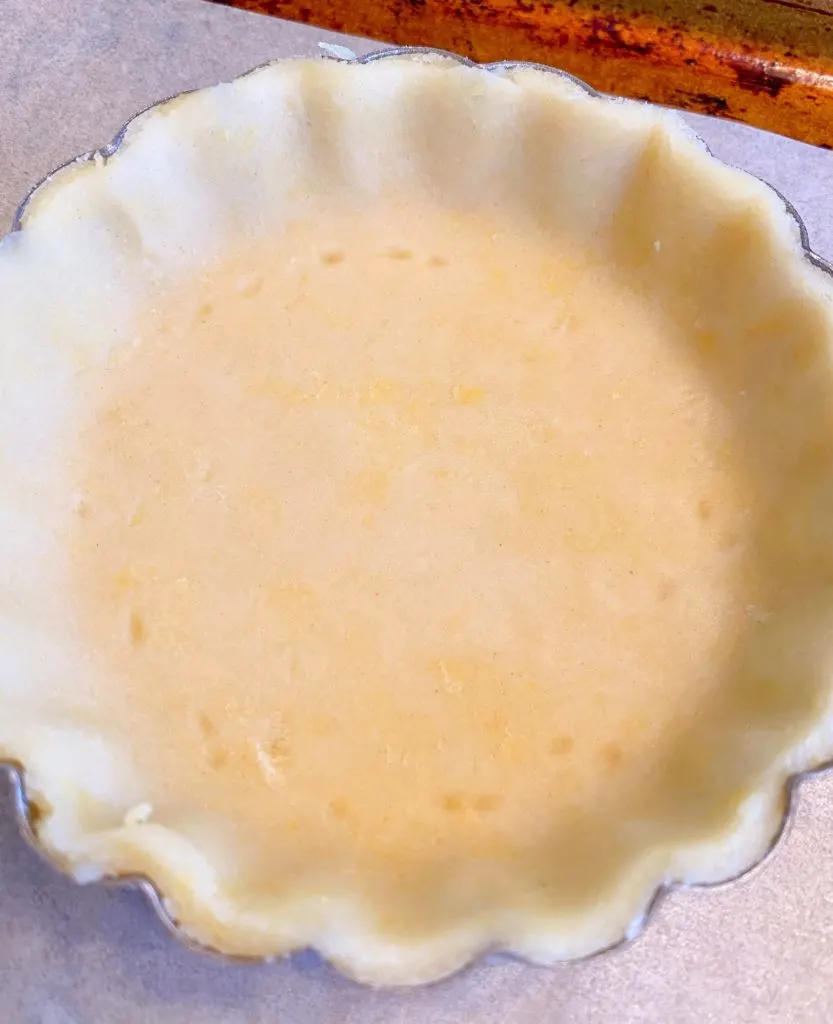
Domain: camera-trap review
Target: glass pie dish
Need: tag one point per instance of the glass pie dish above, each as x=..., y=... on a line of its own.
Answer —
x=416, y=496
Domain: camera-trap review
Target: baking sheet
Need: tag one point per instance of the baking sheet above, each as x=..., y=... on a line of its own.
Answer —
x=759, y=950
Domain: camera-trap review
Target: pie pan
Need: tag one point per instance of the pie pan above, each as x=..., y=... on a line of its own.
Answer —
x=721, y=253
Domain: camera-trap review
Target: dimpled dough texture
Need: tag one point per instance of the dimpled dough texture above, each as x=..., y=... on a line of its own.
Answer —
x=416, y=506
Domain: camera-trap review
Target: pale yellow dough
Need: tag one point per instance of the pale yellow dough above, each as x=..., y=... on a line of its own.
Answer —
x=433, y=554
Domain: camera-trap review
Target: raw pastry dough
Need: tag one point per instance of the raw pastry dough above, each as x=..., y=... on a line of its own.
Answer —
x=416, y=512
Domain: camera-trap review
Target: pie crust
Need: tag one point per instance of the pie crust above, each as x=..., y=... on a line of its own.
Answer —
x=416, y=513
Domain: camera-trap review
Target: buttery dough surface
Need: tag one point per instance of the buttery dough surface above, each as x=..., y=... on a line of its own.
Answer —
x=404, y=537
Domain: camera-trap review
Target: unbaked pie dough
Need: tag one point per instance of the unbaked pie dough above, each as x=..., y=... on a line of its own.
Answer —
x=416, y=508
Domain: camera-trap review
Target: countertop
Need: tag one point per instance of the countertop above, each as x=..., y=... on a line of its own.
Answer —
x=758, y=950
